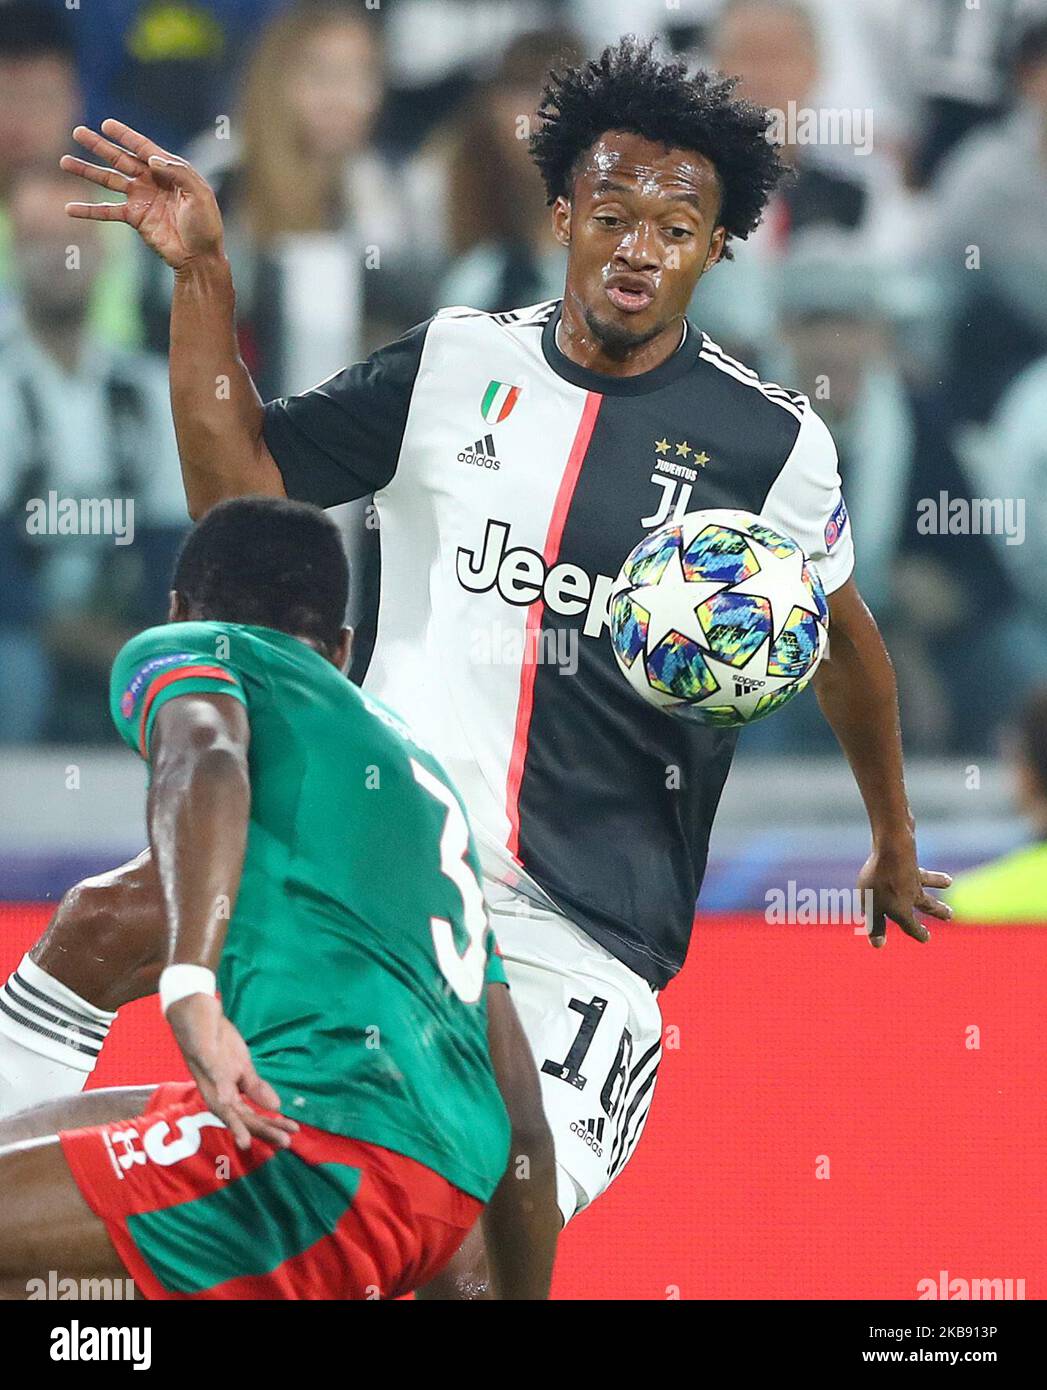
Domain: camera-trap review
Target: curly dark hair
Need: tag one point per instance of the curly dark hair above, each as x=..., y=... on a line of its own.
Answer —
x=629, y=88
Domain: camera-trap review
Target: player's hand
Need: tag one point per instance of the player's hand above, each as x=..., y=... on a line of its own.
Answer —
x=221, y=1066
x=169, y=205
x=899, y=891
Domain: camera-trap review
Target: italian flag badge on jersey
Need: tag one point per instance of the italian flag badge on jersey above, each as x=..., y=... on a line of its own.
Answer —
x=498, y=401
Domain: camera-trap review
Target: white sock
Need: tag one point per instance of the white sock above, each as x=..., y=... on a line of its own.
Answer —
x=50, y=1039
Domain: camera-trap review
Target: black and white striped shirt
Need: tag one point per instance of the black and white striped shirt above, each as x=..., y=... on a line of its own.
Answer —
x=511, y=483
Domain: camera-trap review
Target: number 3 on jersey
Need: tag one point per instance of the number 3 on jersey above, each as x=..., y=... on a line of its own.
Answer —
x=464, y=973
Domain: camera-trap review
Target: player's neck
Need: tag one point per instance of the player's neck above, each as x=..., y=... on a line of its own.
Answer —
x=579, y=344
x=311, y=642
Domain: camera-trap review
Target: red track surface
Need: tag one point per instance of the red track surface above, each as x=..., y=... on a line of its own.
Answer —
x=795, y=1043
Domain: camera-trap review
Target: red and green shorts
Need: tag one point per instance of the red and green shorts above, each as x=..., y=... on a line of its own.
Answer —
x=193, y=1216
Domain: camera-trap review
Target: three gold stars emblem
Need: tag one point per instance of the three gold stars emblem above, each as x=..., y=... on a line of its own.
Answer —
x=683, y=450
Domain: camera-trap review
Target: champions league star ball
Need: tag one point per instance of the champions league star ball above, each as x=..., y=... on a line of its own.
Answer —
x=717, y=618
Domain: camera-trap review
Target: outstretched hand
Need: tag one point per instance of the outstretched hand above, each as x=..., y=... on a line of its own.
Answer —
x=171, y=207
x=898, y=889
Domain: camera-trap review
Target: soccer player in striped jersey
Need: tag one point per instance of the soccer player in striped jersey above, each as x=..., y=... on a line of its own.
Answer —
x=345, y=1125
x=514, y=460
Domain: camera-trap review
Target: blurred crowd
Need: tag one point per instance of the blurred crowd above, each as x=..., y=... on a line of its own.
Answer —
x=371, y=162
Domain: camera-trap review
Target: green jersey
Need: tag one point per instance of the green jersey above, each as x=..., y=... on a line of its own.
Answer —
x=358, y=947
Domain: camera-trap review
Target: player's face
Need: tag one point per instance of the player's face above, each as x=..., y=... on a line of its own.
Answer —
x=642, y=228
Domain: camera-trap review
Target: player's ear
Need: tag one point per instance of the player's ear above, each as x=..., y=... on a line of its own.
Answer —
x=340, y=655
x=177, y=608
x=562, y=221
x=716, y=245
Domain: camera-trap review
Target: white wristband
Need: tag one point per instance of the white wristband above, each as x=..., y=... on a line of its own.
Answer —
x=179, y=981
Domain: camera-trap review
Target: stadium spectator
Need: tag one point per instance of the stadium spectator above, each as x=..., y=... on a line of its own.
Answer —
x=339, y=255
x=987, y=241
x=38, y=100
x=840, y=317
x=81, y=423
x=681, y=27
x=773, y=48
x=39, y=96
x=1014, y=888
x=1007, y=459
x=169, y=64
x=499, y=225
x=437, y=51
x=39, y=104
x=946, y=66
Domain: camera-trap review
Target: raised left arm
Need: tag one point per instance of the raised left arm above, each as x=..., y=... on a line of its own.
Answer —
x=856, y=690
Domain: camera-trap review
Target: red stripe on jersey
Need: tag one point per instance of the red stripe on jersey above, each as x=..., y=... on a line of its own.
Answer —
x=161, y=682
x=525, y=704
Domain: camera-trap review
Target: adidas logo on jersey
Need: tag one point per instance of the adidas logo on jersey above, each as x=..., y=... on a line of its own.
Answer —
x=590, y=1132
x=481, y=452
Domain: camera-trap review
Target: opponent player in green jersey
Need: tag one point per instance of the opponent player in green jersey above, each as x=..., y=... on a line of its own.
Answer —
x=356, y=1076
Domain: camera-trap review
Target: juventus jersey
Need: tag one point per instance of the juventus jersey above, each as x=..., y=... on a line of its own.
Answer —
x=511, y=483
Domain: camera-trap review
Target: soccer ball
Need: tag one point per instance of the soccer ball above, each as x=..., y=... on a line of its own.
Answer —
x=718, y=618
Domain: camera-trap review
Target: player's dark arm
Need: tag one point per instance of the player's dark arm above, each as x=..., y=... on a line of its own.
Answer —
x=217, y=411
x=521, y=1222
x=856, y=689
x=198, y=811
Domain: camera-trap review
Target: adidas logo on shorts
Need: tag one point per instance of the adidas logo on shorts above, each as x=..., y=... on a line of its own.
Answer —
x=481, y=452
x=590, y=1132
